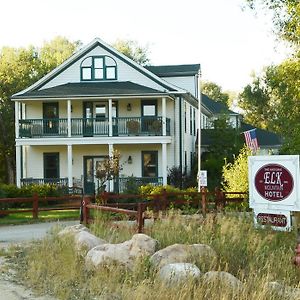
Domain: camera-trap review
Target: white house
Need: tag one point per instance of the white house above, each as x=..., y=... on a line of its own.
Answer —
x=100, y=100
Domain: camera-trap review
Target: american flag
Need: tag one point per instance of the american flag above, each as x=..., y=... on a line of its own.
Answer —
x=251, y=139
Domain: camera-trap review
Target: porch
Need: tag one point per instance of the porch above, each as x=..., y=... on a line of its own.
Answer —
x=87, y=127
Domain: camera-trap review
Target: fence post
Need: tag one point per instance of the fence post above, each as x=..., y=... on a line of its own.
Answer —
x=104, y=197
x=86, y=214
x=219, y=199
x=203, y=201
x=35, y=206
x=140, y=218
x=164, y=200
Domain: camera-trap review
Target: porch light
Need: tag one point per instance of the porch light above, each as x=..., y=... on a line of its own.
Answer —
x=129, y=106
x=129, y=159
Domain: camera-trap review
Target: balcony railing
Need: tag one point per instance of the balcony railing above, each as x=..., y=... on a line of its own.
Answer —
x=86, y=127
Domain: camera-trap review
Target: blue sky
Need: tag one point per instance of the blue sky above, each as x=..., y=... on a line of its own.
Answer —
x=228, y=42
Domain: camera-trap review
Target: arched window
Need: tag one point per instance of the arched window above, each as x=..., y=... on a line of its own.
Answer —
x=98, y=68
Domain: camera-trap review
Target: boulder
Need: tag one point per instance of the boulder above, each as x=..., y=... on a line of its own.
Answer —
x=124, y=253
x=283, y=291
x=178, y=273
x=222, y=279
x=86, y=240
x=72, y=230
x=180, y=253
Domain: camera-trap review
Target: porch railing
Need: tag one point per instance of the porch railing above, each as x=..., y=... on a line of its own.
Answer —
x=40, y=181
x=122, y=126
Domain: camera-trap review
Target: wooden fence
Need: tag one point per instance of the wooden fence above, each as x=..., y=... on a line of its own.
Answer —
x=204, y=201
x=38, y=204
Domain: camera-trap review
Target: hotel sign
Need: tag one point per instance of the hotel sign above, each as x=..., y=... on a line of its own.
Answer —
x=273, y=182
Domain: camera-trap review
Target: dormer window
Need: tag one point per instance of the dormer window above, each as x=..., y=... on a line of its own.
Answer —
x=98, y=68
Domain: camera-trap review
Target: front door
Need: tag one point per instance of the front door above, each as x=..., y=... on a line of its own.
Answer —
x=91, y=164
x=51, y=167
x=149, y=163
x=50, y=118
x=149, y=115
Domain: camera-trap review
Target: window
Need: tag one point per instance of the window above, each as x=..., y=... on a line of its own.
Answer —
x=185, y=117
x=51, y=165
x=149, y=164
x=194, y=121
x=149, y=108
x=98, y=68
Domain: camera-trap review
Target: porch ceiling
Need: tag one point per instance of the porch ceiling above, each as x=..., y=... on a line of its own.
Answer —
x=93, y=89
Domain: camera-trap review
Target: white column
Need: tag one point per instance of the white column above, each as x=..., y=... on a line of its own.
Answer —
x=17, y=119
x=70, y=166
x=18, y=166
x=69, y=118
x=110, y=153
x=110, y=128
x=164, y=113
x=164, y=163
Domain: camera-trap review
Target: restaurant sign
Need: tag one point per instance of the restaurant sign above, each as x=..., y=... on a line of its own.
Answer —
x=276, y=219
x=272, y=182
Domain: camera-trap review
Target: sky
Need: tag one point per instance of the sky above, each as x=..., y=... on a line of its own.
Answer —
x=229, y=43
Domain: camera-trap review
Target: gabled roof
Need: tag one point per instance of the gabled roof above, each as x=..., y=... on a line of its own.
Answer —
x=174, y=70
x=83, y=51
x=89, y=89
x=216, y=107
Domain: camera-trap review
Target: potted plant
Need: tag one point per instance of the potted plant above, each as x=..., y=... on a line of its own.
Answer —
x=133, y=127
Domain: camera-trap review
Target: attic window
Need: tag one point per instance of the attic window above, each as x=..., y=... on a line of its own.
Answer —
x=98, y=68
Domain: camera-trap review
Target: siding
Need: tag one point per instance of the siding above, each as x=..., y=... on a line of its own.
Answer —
x=124, y=72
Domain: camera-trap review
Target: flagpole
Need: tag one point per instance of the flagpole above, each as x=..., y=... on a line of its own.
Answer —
x=199, y=129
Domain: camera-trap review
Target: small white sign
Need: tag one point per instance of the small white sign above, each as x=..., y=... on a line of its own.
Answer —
x=279, y=220
x=203, y=178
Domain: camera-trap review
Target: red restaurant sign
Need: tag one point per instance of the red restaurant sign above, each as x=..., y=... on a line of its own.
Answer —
x=274, y=182
x=272, y=219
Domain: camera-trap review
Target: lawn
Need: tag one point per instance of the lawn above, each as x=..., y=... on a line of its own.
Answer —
x=26, y=217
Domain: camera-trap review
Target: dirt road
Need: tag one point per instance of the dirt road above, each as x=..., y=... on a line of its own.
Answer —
x=19, y=234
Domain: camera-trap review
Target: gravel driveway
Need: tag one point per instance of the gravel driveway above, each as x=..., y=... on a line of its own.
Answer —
x=18, y=234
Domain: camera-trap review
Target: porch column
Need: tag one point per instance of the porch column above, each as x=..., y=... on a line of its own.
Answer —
x=70, y=166
x=110, y=153
x=69, y=118
x=18, y=166
x=164, y=114
x=164, y=163
x=17, y=119
x=110, y=125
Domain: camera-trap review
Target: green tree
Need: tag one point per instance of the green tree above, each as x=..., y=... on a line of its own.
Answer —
x=235, y=174
x=272, y=100
x=19, y=68
x=55, y=52
x=214, y=91
x=132, y=50
x=286, y=17
x=225, y=143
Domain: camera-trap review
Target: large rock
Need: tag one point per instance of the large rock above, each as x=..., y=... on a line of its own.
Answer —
x=124, y=253
x=82, y=237
x=283, y=291
x=221, y=279
x=178, y=273
x=86, y=240
x=72, y=230
x=179, y=253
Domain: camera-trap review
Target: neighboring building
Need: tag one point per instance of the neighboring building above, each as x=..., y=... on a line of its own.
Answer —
x=269, y=143
x=100, y=100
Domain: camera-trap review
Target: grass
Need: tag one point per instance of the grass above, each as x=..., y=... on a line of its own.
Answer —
x=255, y=256
x=44, y=216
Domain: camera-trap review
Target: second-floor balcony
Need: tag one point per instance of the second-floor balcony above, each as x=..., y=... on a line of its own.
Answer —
x=88, y=127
